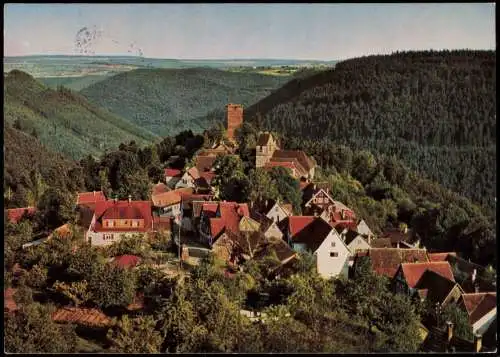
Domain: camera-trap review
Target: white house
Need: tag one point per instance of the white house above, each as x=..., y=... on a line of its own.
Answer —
x=481, y=308
x=113, y=219
x=188, y=178
x=331, y=253
x=363, y=229
x=277, y=211
x=354, y=240
x=169, y=203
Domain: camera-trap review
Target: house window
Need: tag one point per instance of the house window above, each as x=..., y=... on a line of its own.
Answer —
x=135, y=224
x=107, y=237
x=333, y=244
x=111, y=223
x=334, y=254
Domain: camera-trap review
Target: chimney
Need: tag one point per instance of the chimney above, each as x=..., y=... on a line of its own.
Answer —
x=129, y=198
x=397, y=245
x=94, y=193
x=478, y=342
x=473, y=278
x=405, y=230
x=449, y=329
x=115, y=199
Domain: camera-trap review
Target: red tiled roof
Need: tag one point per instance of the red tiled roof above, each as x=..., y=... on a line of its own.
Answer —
x=127, y=261
x=216, y=226
x=159, y=188
x=313, y=234
x=341, y=225
x=123, y=210
x=9, y=303
x=198, y=207
x=231, y=213
x=298, y=223
x=414, y=271
x=479, y=304
x=171, y=197
x=204, y=162
x=85, y=198
x=15, y=214
x=386, y=261
x=210, y=208
x=83, y=316
x=440, y=257
x=173, y=173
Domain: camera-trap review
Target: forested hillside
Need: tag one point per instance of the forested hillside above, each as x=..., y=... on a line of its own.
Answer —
x=63, y=120
x=30, y=168
x=73, y=83
x=166, y=101
x=434, y=110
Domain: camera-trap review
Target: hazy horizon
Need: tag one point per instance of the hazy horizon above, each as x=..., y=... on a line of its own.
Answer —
x=308, y=32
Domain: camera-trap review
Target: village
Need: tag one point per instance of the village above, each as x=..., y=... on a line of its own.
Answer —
x=186, y=206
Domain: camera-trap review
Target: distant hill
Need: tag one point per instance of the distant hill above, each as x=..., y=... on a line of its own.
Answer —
x=166, y=101
x=75, y=83
x=63, y=120
x=434, y=110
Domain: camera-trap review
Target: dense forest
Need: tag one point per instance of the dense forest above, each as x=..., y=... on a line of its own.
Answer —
x=167, y=101
x=63, y=120
x=385, y=192
x=436, y=111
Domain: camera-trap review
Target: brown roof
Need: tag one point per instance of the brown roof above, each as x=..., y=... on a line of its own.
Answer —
x=159, y=188
x=82, y=316
x=414, y=271
x=440, y=257
x=436, y=286
x=84, y=198
x=15, y=214
x=170, y=198
x=313, y=234
x=381, y=243
x=263, y=139
x=301, y=156
x=386, y=261
x=395, y=235
x=282, y=249
x=479, y=304
x=204, y=162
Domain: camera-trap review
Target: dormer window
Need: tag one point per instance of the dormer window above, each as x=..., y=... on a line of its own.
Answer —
x=135, y=224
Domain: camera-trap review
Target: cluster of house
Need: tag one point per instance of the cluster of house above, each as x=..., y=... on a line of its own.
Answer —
x=185, y=205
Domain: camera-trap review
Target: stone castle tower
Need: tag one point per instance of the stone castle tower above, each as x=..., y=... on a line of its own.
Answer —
x=234, y=119
x=266, y=146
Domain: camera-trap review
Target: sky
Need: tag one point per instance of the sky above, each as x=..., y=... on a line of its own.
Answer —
x=237, y=31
